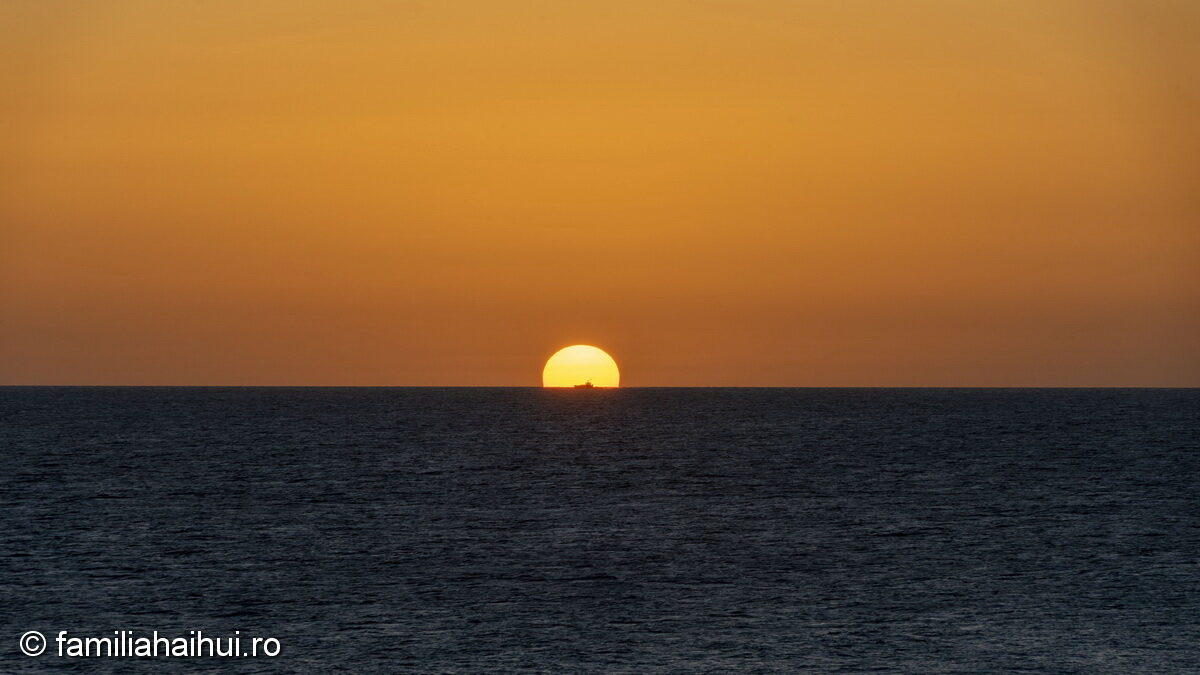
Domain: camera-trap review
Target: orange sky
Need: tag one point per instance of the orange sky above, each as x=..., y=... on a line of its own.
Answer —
x=750, y=192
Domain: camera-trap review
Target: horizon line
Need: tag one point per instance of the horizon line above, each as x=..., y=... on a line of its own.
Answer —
x=522, y=386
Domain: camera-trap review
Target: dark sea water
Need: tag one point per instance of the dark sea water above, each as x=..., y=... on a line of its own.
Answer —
x=634, y=530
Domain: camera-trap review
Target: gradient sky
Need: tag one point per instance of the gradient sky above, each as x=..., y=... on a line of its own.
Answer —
x=750, y=192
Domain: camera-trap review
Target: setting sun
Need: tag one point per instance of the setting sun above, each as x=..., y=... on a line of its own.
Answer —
x=581, y=365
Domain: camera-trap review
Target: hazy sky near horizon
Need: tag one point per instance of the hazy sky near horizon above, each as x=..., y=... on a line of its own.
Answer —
x=751, y=192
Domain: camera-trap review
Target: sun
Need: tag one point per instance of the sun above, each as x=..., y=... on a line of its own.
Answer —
x=580, y=365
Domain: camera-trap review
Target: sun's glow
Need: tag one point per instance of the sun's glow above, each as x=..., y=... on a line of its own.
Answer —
x=579, y=364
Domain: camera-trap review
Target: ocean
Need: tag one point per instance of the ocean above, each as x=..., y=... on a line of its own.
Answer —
x=382, y=530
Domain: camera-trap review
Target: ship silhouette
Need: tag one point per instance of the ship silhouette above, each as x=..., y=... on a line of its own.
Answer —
x=586, y=385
